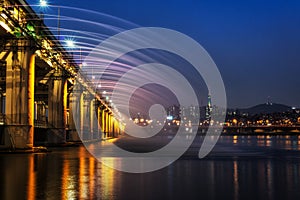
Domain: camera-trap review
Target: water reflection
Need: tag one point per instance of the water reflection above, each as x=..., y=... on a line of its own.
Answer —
x=107, y=181
x=83, y=178
x=289, y=142
x=235, y=139
x=69, y=182
x=72, y=173
x=235, y=180
x=91, y=181
x=31, y=186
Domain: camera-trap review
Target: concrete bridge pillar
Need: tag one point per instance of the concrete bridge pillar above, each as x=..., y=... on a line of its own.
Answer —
x=76, y=113
x=86, y=117
x=113, y=126
x=99, y=121
x=101, y=118
x=74, y=110
x=57, y=103
x=19, y=104
x=116, y=128
x=109, y=130
x=94, y=121
x=105, y=124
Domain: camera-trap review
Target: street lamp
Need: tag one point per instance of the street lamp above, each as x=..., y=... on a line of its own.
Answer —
x=70, y=43
x=44, y=3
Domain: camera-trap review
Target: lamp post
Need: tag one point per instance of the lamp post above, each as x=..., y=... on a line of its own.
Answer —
x=71, y=44
x=44, y=3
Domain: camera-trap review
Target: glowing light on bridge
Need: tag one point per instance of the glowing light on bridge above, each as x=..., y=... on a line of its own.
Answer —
x=43, y=3
x=70, y=43
x=5, y=26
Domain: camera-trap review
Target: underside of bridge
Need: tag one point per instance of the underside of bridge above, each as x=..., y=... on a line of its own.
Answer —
x=37, y=77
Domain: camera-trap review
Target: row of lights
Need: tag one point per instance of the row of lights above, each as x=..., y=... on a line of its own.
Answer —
x=71, y=44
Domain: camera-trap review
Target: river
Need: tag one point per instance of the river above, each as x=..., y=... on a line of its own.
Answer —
x=244, y=167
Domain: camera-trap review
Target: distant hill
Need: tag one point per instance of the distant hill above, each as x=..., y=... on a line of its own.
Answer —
x=266, y=108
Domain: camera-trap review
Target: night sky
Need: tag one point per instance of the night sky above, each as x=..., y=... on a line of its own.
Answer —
x=255, y=43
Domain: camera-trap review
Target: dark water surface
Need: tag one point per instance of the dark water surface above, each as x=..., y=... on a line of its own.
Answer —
x=248, y=167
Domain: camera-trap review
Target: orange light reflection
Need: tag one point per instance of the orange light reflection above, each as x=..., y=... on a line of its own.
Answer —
x=31, y=179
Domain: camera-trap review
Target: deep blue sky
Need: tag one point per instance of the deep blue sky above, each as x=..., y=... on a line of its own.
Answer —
x=255, y=43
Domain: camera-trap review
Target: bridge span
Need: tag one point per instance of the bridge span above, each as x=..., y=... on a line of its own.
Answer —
x=37, y=78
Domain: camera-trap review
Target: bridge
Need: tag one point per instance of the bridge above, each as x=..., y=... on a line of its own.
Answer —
x=255, y=129
x=265, y=129
x=37, y=86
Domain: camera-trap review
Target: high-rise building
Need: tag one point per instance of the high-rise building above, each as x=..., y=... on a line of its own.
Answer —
x=208, y=107
x=174, y=111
